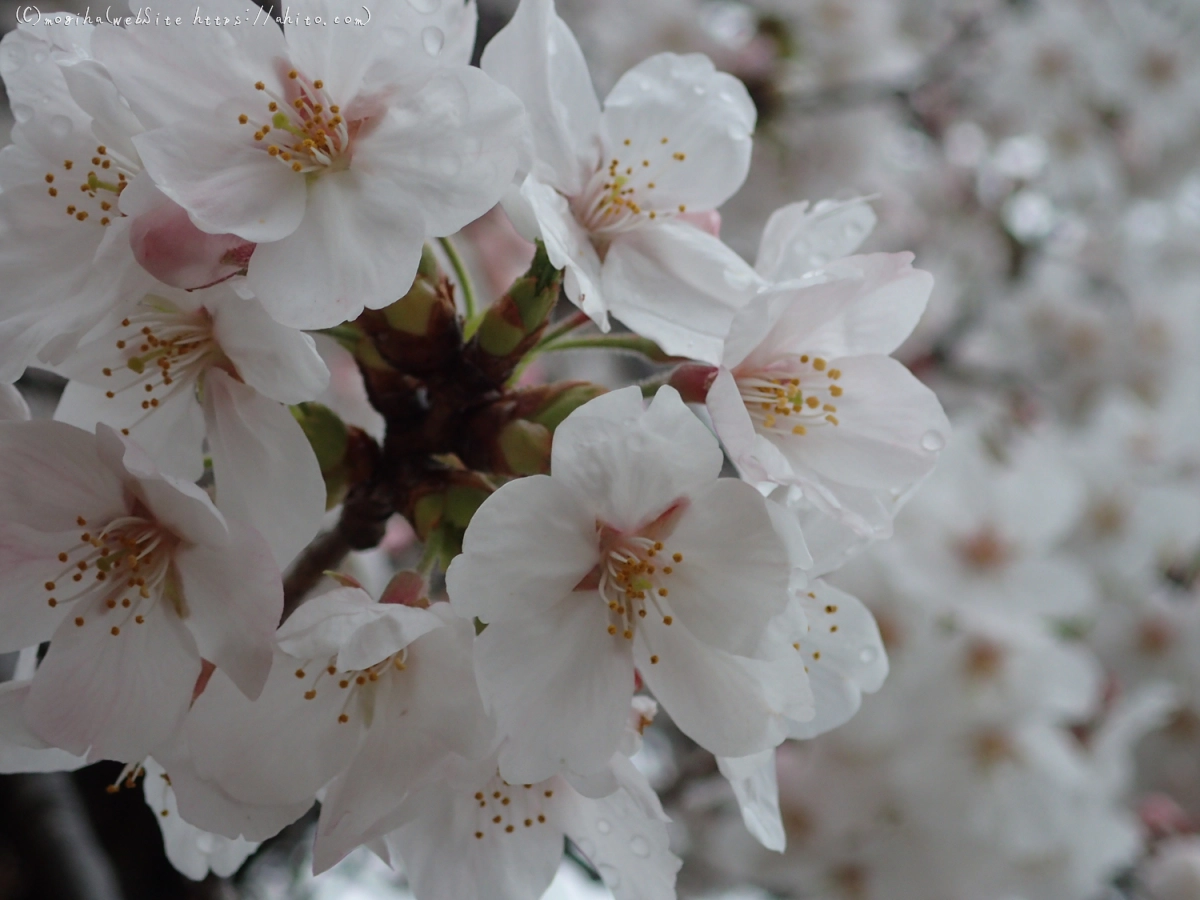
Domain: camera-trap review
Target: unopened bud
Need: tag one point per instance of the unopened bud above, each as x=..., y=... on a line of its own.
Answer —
x=693, y=381
x=344, y=454
x=407, y=588
x=525, y=446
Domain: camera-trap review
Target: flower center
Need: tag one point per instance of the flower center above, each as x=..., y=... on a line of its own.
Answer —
x=620, y=196
x=163, y=351
x=127, y=560
x=793, y=398
x=95, y=197
x=984, y=551
x=304, y=130
x=502, y=808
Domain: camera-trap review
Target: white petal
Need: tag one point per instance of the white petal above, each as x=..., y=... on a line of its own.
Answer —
x=630, y=464
x=711, y=695
x=705, y=116
x=872, y=304
x=734, y=573
x=559, y=686
x=443, y=859
x=52, y=475
x=322, y=625
x=20, y=749
x=12, y=405
x=226, y=183
x=120, y=695
x=753, y=781
x=267, y=475
x=358, y=245
x=534, y=518
x=29, y=561
x=678, y=286
x=538, y=58
x=797, y=240
x=451, y=148
x=630, y=850
x=171, y=433
x=192, y=851
x=234, y=598
x=279, y=362
x=855, y=649
x=179, y=505
x=569, y=247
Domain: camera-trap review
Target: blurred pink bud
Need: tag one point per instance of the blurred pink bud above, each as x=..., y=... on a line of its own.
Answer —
x=407, y=588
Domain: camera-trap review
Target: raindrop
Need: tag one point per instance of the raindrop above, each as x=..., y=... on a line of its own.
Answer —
x=602, y=826
x=432, y=39
x=14, y=58
x=21, y=112
x=206, y=843
x=425, y=6
x=60, y=126
x=610, y=875
x=867, y=655
x=40, y=56
x=699, y=90
x=639, y=846
x=933, y=441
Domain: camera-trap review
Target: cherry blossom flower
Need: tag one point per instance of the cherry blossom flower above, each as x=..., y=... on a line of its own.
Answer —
x=337, y=151
x=631, y=553
x=183, y=366
x=376, y=693
x=133, y=576
x=610, y=188
x=471, y=835
x=12, y=404
x=806, y=395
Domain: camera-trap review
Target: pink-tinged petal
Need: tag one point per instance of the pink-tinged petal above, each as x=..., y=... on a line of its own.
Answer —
x=172, y=435
x=711, y=695
x=689, y=122
x=275, y=360
x=451, y=147
x=754, y=784
x=632, y=467
x=569, y=247
x=630, y=850
x=733, y=572
x=29, y=560
x=179, y=505
x=733, y=425
x=872, y=304
x=495, y=577
x=168, y=245
x=430, y=709
x=248, y=749
x=443, y=858
x=559, y=685
x=234, y=598
x=226, y=183
x=258, y=446
x=677, y=286
x=52, y=475
x=322, y=625
x=358, y=245
x=890, y=428
x=798, y=240
x=537, y=57
x=20, y=749
x=13, y=407
x=114, y=695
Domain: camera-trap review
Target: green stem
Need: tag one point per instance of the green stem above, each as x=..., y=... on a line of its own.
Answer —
x=566, y=326
x=628, y=342
x=460, y=272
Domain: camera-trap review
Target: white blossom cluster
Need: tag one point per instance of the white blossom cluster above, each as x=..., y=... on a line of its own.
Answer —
x=183, y=208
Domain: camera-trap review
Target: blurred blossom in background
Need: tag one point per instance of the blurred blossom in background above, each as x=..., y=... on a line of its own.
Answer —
x=1038, y=736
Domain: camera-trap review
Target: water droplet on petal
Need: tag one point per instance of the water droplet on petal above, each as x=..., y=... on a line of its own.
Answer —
x=425, y=6
x=639, y=846
x=602, y=826
x=60, y=126
x=40, y=56
x=933, y=441
x=432, y=39
x=866, y=655
x=610, y=875
x=21, y=112
x=698, y=90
